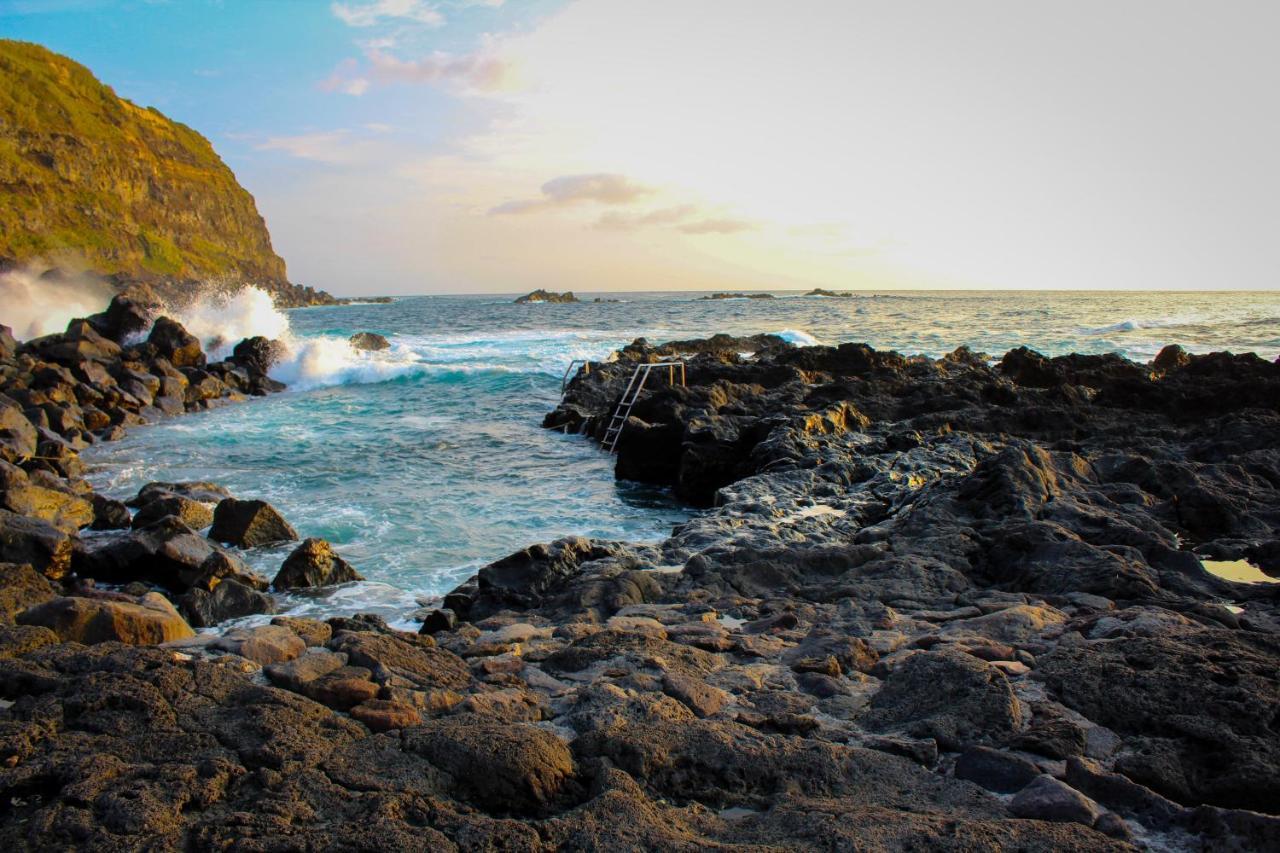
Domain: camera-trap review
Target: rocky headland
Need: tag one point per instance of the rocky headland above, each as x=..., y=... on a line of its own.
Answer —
x=937, y=604
x=93, y=183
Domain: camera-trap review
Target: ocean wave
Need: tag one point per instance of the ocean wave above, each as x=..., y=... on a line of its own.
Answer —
x=798, y=337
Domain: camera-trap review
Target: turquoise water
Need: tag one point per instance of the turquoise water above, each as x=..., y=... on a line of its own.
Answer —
x=426, y=461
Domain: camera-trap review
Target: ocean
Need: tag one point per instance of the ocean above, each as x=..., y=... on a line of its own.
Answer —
x=423, y=462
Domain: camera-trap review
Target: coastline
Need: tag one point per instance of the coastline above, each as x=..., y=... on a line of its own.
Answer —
x=885, y=528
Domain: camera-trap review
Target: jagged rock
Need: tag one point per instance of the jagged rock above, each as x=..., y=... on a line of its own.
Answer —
x=950, y=696
x=123, y=319
x=21, y=587
x=314, y=563
x=199, y=491
x=192, y=513
x=249, y=524
x=169, y=553
x=498, y=766
x=312, y=632
x=265, y=645
x=109, y=514
x=441, y=619
x=149, y=620
x=369, y=341
x=295, y=674
x=35, y=542
x=994, y=770
x=1048, y=799
x=175, y=343
x=229, y=599
x=382, y=715
x=259, y=354
x=401, y=657
x=67, y=512
x=1201, y=739
x=18, y=437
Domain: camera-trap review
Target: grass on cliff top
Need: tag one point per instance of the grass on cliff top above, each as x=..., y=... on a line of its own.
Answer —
x=83, y=171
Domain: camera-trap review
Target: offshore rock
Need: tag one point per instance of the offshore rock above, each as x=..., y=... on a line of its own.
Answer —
x=249, y=524
x=369, y=341
x=312, y=564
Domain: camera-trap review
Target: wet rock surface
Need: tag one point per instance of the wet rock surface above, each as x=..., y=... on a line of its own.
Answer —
x=948, y=604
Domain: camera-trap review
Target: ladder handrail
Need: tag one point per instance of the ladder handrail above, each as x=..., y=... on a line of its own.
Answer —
x=564, y=380
x=632, y=393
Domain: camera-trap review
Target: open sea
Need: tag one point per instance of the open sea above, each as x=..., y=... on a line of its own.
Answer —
x=423, y=462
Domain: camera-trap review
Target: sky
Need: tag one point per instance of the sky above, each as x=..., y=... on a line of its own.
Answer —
x=453, y=146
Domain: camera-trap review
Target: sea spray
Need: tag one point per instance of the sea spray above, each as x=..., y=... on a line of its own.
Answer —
x=222, y=320
x=35, y=306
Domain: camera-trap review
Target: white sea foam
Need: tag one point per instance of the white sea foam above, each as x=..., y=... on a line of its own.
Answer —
x=797, y=337
x=222, y=321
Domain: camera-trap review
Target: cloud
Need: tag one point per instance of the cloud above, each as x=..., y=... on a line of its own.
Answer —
x=601, y=188
x=615, y=221
x=722, y=225
x=346, y=78
x=330, y=146
x=372, y=14
x=478, y=71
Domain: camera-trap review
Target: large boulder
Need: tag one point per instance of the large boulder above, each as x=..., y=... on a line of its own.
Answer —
x=948, y=695
x=194, y=514
x=18, y=437
x=196, y=490
x=496, y=766
x=149, y=620
x=123, y=319
x=230, y=599
x=21, y=587
x=250, y=524
x=405, y=658
x=67, y=512
x=36, y=542
x=258, y=354
x=264, y=645
x=369, y=341
x=169, y=553
x=314, y=563
x=175, y=343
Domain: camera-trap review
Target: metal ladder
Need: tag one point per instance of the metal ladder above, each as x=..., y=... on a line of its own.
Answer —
x=638, y=379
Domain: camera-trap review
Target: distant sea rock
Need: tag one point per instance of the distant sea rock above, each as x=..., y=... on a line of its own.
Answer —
x=835, y=294
x=369, y=341
x=541, y=295
x=738, y=296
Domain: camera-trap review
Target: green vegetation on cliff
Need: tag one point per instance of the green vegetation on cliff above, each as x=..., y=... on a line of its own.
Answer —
x=89, y=178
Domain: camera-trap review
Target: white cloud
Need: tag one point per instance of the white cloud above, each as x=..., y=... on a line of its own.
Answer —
x=615, y=221
x=478, y=71
x=372, y=14
x=331, y=146
x=719, y=225
x=602, y=188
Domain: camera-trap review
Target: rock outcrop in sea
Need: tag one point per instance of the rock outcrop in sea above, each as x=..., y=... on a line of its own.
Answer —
x=932, y=604
x=541, y=295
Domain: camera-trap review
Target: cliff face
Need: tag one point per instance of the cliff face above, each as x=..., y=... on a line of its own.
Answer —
x=90, y=179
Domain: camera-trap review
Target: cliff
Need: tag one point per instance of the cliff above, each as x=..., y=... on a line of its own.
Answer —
x=88, y=179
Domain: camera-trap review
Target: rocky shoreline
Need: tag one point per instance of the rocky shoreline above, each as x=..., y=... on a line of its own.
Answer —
x=943, y=604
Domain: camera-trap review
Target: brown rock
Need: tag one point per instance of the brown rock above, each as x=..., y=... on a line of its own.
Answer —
x=150, y=620
x=381, y=715
x=21, y=587
x=312, y=564
x=35, y=542
x=249, y=524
